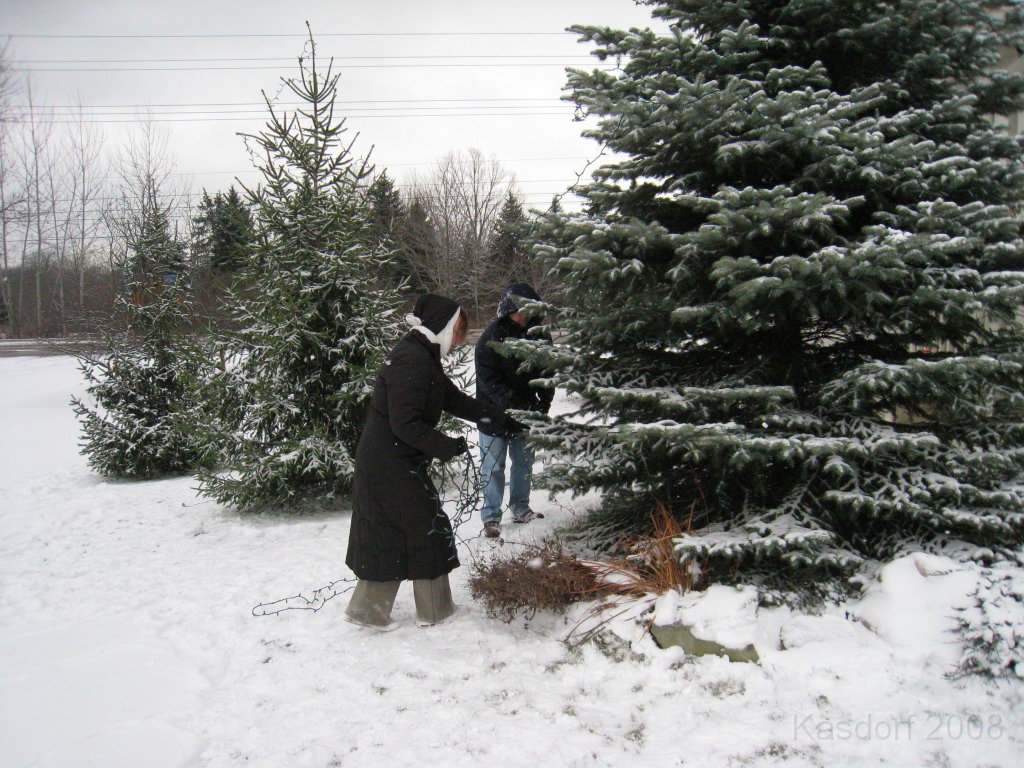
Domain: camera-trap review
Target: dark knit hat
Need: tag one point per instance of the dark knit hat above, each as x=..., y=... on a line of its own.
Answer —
x=433, y=312
x=510, y=303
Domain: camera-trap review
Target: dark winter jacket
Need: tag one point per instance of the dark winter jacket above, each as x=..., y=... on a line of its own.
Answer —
x=399, y=530
x=499, y=380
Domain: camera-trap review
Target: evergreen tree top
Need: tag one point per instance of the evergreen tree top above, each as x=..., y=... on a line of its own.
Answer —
x=826, y=80
x=312, y=181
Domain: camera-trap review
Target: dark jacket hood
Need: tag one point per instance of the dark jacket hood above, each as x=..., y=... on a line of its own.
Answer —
x=511, y=298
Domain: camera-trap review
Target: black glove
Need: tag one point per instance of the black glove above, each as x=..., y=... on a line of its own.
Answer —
x=458, y=447
x=512, y=427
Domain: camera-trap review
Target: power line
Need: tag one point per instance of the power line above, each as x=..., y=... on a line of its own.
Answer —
x=424, y=164
x=533, y=199
x=427, y=163
x=561, y=63
x=297, y=103
x=304, y=36
x=95, y=113
x=356, y=112
x=254, y=118
x=24, y=112
x=112, y=198
x=189, y=200
x=292, y=58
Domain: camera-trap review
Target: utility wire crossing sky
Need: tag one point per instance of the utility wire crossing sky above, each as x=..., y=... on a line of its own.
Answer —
x=418, y=79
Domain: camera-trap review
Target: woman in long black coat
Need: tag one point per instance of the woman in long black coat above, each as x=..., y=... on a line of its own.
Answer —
x=399, y=530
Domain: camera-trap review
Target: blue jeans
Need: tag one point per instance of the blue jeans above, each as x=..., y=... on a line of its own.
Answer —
x=493, y=451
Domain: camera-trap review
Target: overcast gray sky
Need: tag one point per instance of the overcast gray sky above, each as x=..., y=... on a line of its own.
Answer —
x=419, y=78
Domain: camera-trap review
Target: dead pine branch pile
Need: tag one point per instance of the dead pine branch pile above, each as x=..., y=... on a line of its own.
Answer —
x=548, y=578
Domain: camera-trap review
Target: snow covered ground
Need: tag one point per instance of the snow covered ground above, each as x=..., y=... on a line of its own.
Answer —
x=127, y=639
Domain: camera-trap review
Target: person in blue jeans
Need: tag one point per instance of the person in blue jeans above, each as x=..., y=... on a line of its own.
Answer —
x=500, y=382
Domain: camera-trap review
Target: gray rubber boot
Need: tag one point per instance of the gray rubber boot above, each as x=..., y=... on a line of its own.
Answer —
x=433, y=600
x=371, y=604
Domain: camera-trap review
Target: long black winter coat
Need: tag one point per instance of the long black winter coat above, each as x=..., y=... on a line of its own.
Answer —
x=499, y=380
x=399, y=530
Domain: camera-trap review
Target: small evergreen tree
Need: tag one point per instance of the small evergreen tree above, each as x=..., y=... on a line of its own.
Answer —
x=386, y=207
x=141, y=384
x=510, y=254
x=387, y=213
x=794, y=305
x=313, y=323
x=507, y=249
x=224, y=237
x=202, y=227
x=416, y=247
x=234, y=239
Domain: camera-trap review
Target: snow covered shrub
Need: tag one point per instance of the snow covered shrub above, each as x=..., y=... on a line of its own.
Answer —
x=135, y=421
x=993, y=628
x=138, y=427
x=795, y=295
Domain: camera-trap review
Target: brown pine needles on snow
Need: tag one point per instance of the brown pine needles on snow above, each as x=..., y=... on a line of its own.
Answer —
x=548, y=578
x=537, y=578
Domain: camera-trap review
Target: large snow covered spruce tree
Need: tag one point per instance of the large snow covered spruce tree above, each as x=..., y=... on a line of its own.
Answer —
x=794, y=303
x=313, y=320
x=136, y=420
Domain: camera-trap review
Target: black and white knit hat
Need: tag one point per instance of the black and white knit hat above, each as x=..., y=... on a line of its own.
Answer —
x=433, y=312
x=435, y=316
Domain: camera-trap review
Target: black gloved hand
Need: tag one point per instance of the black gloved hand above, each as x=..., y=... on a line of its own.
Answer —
x=458, y=447
x=512, y=427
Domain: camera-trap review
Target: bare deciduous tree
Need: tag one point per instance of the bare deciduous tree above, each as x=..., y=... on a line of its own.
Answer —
x=52, y=223
x=10, y=199
x=35, y=160
x=85, y=205
x=145, y=168
x=461, y=199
